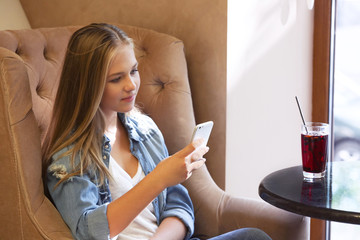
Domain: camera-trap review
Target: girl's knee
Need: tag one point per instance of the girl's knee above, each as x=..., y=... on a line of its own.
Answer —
x=244, y=234
x=256, y=234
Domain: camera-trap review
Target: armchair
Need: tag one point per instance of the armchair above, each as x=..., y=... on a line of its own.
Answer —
x=30, y=65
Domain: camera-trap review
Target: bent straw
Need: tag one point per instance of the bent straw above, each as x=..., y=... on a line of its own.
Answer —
x=302, y=117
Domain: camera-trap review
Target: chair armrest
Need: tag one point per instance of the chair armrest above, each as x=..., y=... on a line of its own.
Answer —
x=217, y=212
x=277, y=223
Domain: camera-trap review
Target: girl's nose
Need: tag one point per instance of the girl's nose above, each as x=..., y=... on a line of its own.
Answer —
x=130, y=84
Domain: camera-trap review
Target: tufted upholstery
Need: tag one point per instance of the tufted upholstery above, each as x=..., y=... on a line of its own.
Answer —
x=30, y=64
x=44, y=56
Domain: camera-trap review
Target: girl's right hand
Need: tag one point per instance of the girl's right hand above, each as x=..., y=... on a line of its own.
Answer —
x=177, y=168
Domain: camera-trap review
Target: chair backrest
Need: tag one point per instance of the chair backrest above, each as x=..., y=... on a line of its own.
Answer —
x=30, y=65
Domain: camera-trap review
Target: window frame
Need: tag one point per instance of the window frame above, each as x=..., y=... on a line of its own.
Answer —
x=322, y=83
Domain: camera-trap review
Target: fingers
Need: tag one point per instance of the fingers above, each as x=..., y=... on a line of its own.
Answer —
x=193, y=156
x=197, y=164
x=198, y=153
x=194, y=166
x=191, y=147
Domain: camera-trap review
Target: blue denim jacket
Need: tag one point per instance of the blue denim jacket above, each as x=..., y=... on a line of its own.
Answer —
x=83, y=204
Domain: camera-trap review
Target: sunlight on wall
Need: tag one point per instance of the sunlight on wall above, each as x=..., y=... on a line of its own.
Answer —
x=254, y=27
x=269, y=62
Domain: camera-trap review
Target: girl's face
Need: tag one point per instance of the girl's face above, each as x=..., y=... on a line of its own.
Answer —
x=122, y=82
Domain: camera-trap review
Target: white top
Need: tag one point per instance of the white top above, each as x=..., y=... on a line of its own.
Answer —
x=145, y=224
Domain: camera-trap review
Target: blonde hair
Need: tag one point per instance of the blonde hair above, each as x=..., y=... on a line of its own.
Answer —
x=77, y=120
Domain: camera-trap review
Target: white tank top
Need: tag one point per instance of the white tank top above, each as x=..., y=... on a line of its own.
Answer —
x=145, y=224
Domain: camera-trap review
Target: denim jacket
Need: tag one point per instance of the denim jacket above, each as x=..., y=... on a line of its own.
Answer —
x=83, y=204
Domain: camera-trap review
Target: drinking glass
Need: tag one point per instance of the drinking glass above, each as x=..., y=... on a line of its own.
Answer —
x=314, y=147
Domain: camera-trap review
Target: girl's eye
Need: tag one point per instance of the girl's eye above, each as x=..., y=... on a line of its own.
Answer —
x=115, y=80
x=134, y=71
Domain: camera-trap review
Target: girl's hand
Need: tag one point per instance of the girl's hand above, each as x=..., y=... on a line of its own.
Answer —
x=178, y=167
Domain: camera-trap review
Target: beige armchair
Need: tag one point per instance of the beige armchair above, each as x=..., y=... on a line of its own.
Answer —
x=30, y=64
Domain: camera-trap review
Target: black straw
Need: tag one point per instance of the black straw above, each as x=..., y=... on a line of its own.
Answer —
x=302, y=117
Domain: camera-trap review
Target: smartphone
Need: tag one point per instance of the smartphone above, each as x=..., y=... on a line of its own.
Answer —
x=202, y=130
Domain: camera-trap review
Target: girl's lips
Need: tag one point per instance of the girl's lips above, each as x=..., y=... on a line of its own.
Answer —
x=129, y=99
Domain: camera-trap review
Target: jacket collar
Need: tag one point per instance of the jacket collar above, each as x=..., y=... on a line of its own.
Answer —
x=130, y=125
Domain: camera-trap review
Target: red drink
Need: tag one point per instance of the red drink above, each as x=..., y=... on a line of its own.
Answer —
x=314, y=153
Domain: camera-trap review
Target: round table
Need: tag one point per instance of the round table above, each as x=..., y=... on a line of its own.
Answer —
x=336, y=197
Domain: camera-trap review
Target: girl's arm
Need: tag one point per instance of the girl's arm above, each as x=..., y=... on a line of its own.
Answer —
x=171, y=228
x=171, y=171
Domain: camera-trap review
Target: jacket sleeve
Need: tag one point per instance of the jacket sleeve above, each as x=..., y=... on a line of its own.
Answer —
x=77, y=200
x=178, y=204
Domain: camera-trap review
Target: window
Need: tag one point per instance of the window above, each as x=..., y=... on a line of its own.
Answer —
x=346, y=101
x=336, y=75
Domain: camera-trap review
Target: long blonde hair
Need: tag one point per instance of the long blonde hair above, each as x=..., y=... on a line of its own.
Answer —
x=77, y=120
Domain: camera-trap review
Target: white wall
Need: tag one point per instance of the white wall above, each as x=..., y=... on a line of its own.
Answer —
x=12, y=15
x=269, y=61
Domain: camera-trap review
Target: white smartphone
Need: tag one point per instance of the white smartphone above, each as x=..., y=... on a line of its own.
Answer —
x=202, y=130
